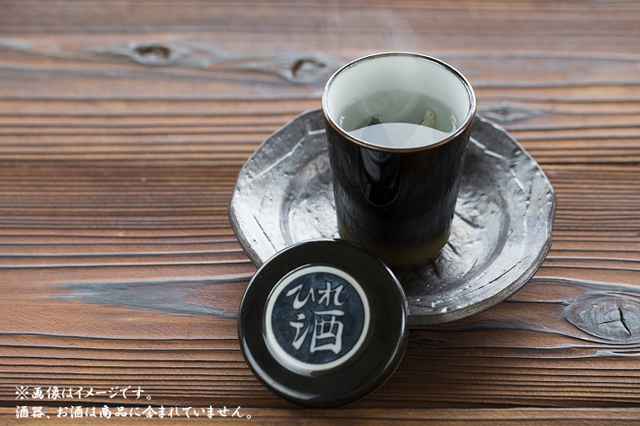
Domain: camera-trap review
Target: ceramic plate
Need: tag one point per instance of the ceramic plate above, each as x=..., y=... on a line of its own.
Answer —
x=501, y=229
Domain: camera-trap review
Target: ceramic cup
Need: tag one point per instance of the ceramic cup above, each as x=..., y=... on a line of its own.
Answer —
x=397, y=200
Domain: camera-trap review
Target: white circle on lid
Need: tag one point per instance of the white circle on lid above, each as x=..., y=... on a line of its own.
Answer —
x=274, y=346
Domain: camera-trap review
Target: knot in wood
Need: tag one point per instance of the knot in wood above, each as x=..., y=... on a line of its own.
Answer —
x=615, y=318
x=146, y=53
x=507, y=112
x=306, y=67
x=156, y=50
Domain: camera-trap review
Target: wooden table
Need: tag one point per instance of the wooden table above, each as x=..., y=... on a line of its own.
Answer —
x=123, y=125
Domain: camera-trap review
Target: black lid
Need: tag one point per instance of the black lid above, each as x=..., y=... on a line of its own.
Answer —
x=323, y=323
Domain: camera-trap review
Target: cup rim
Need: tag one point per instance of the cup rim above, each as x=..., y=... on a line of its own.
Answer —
x=466, y=123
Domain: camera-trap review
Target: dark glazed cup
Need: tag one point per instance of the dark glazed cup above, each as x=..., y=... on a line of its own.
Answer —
x=397, y=202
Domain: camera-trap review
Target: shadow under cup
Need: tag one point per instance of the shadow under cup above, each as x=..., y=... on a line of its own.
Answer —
x=396, y=201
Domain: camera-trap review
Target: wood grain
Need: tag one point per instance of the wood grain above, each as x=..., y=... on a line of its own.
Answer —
x=123, y=126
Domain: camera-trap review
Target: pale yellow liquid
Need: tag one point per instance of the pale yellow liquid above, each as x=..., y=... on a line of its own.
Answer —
x=400, y=114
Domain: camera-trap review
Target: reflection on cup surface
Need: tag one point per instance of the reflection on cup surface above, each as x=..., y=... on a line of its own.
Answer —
x=379, y=176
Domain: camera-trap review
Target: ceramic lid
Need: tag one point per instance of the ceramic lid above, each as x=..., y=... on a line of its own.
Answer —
x=323, y=323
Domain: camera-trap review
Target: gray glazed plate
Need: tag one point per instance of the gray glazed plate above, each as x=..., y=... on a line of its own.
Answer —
x=501, y=229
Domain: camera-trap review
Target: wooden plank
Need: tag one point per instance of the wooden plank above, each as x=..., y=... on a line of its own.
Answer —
x=118, y=266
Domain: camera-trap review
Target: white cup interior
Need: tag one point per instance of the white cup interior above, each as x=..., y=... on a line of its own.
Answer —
x=406, y=72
